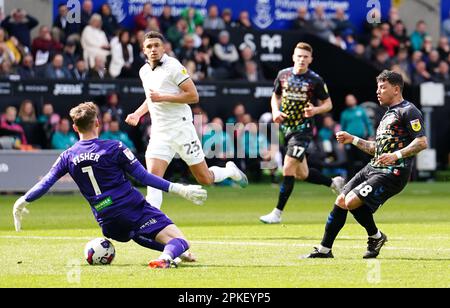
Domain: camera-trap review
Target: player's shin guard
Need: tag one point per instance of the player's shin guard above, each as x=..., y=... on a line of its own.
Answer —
x=316, y=177
x=364, y=217
x=286, y=189
x=336, y=221
x=148, y=243
x=154, y=197
x=174, y=248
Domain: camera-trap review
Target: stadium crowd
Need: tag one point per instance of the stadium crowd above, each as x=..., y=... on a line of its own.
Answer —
x=98, y=48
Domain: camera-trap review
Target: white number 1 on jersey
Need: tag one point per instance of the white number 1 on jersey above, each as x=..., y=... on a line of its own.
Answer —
x=94, y=183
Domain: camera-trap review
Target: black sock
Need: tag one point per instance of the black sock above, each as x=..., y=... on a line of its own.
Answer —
x=285, y=191
x=335, y=222
x=364, y=217
x=316, y=177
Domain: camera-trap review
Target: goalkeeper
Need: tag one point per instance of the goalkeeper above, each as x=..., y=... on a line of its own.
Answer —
x=98, y=167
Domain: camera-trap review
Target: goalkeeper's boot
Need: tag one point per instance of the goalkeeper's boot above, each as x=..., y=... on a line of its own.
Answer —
x=337, y=184
x=240, y=178
x=160, y=263
x=316, y=254
x=374, y=246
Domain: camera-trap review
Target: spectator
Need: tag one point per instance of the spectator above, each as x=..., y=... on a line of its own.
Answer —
x=16, y=50
x=70, y=55
x=418, y=36
x=9, y=127
x=99, y=71
x=27, y=113
x=56, y=69
x=94, y=41
x=203, y=57
x=433, y=61
x=403, y=62
x=359, y=51
x=44, y=46
x=442, y=74
x=331, y=154
x=355, y=121
x=421, y=74
x=443, y=47
x=140, y=20
x=382, y=60
x=19, y=24
x=80, y=72
x=251, y=72
x=398, y=69
x=114, y=133
x=63, y=138
x=302, y=21
x=255, y=145
x=105, y=122
x=187, y=51
x=138, y=55
x=427, y=46
x=227, y=17
x=226, y=55
x=400, y=34
x=374, y=46
x=193, y=18
x=243, y=21
x=109, y=22
x=121, y=56
x=389, y=42
x=26, y=69
x=238, y=114
x=322, y=26
x=5, y=54
x=213, y=21
x=176, y=33
x=446, y=27
x=49, y=121
x=169, y=50
x=194, y=70
x=69, y=29
x=112, y=107
x=152, y=25
x=246, y=55
x=166, y=20
x=87, y=10
x=341, y=23
x=7, y=71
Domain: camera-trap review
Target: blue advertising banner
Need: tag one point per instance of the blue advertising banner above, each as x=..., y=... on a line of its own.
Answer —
x=445, y=9
x=265, y=14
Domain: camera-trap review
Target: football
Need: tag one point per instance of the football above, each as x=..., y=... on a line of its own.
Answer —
x=99, y=251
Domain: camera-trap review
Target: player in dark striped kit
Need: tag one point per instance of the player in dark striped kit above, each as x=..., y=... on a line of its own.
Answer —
x=299, y=94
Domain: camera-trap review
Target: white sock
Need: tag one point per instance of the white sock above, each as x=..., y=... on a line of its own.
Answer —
x=324, y=249
x=277, y=212
x=154, y=197
x=376, y=236
x=165, y=256
x=221, y=174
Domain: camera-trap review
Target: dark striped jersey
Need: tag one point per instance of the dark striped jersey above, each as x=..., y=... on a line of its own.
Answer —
x=296, y=92
x=400, y=125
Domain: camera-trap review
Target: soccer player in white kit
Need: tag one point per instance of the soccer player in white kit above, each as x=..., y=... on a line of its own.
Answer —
x=169, y=90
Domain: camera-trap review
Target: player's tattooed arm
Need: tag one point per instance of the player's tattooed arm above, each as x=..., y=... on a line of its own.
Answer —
x=366, y=146
x=417, y=145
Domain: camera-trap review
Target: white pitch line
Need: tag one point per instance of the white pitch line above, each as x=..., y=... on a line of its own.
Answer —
x=220, y=243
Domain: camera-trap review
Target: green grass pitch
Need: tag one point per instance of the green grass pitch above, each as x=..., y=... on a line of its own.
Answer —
x=233, y=248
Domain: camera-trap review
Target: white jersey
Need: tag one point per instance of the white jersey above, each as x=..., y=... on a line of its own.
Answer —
x=165, y=78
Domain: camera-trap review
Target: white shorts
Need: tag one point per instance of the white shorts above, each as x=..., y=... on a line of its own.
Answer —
x=183, y=141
